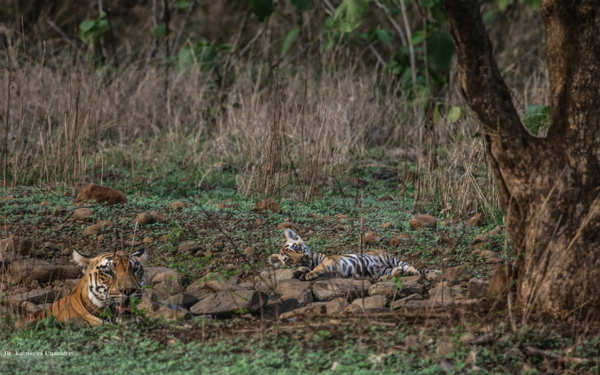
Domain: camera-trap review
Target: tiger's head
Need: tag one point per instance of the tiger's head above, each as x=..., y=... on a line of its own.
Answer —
x=293, y=253
x=110, y=280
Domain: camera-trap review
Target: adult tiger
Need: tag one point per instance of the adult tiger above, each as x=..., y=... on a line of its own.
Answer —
x=370, y=264
x=109, y=280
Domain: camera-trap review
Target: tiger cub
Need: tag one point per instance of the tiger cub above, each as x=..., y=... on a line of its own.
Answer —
x=371, y=264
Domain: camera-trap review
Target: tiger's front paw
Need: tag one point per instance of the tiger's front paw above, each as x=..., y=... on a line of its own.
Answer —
x=300, y=272
x=276, y=261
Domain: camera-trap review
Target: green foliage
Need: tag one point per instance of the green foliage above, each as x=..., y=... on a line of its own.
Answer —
x=440, y=50
x=537, y=117
x=349, y=15
x=91, y=31
x=301, y=5
x=182, y=4
x=202, y=53
x=262, y=8
x=289, y=39
x=455, y=114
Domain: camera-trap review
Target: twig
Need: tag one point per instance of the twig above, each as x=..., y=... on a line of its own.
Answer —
x=62, y=33
x=556, y=356
x=411, y=50
x=380, y=59
x=397, y=27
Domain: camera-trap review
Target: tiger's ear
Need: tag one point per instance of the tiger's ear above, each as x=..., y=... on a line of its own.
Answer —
x=80, y=259
x=291, y=236
x=140, y=255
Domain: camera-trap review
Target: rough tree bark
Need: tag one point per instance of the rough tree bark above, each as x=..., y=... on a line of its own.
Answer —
x=549, y=187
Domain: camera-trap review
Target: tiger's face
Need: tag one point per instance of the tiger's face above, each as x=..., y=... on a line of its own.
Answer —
x=294, y=252
x=112, y=279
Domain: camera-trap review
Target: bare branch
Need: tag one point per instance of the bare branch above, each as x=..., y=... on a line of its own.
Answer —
x=479, y=77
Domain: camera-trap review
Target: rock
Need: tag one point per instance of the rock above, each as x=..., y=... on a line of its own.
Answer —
x=30, y=307
x=170, y=313
x=404, y=302
x=397, y=240
x=189, y=246
x=149, y=300
x=341, y=217
x=474, y=221
x=477, y=288
x=456, y=275
x=14, y=247
x=422, y=220
x=168, y=288
x=100, y=194
x=218, y=283
x=36, y=296
x=270, y=278
x=147, y=240
x=490, y=256
x=177, y=205
x=386, y=225
x=433, y=275
x=229, y=302
x=144, y=218
x=289, y=295
x=97, y=228
x=334, y=306
x=385, y=198
x=484, y=237
x=26, y=270
x=384, y=288
x=158, y=274
x=371, y=303
x=59, y=211
x=370, y=238
x=82, y=213
x=325, y=290
x=443, y=292
x=249, y=251
x=267, y=204
x=185, y=300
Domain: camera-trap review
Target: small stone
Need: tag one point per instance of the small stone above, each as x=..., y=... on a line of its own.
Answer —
x=371, y=238
x=177, y=205
x=422, y=220
x=385, y=198
x=59, y=211
x=100, y=194
x=490, y=256
x=97, y=228
x=249, y=251
x=341, y=217
x=82, y=213
x=442, y=292
x=397, y=240
x=147, y=240
x=144, y=218
x=474, y=221
x=386, y=225
x=267, y=204
x=189, y=247
x=332, y=307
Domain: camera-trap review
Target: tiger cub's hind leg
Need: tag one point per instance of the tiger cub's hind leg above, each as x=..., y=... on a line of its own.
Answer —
x=404, y=270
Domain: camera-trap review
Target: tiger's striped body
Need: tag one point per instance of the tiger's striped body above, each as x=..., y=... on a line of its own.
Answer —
x=109, y=281
x=371, y=264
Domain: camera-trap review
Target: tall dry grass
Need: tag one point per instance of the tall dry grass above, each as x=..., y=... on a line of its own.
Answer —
x=300, y=128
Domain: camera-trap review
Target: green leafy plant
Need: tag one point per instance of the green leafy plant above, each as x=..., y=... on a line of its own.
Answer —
x=90, y=31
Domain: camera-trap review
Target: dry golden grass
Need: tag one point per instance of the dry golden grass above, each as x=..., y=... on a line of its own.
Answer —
x=304, y=126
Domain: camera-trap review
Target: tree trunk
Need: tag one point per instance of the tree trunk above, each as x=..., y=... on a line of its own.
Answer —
x=549, y=187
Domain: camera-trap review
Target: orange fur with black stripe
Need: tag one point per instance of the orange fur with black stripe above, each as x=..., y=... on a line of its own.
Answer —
x=109, y=280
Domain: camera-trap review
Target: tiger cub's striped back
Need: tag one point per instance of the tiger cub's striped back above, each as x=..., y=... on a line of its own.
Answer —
x=371, y=264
